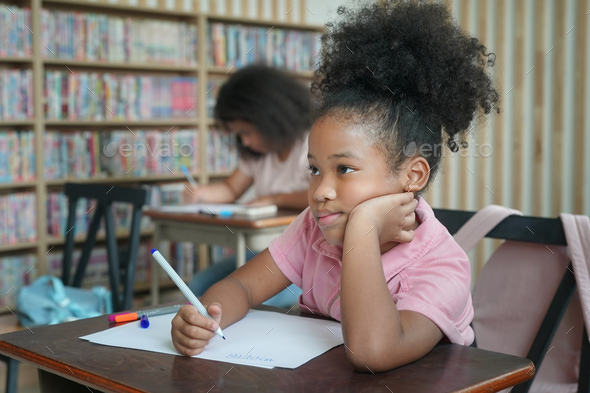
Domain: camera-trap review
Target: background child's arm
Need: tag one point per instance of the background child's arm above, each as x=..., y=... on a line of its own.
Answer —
x=226, y=191
x=258, y=280
x=378, y=337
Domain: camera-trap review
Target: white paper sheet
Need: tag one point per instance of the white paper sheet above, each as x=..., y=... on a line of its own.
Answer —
x=262, y=338
x=222, y=208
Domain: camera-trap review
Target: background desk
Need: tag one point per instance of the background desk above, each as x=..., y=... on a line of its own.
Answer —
x=238, y=232
x=62, y=357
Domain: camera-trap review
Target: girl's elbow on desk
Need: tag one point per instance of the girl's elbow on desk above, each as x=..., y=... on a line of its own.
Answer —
x=374, y=361
x=378, y=355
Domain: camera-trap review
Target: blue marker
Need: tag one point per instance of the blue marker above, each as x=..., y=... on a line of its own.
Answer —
x=145, y=323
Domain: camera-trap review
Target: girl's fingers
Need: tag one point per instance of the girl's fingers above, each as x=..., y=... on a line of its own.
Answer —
x=189, y=342
x=406, y=236
x=194, y=332
x=410, y=220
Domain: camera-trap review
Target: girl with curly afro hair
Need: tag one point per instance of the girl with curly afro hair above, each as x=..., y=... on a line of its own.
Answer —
x=369, y=251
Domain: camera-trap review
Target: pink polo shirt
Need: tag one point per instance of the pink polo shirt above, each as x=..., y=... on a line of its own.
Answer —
x=430, y=275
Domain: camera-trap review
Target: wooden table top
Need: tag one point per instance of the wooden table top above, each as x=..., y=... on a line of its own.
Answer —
x=282, y=218
x=447, y=368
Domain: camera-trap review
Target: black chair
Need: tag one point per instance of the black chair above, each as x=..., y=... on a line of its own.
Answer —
x=544, y=231
x=121, y=264
x=11, y=373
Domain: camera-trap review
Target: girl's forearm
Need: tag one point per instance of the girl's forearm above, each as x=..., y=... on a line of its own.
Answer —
x=233, y=298
x=219, y=192
x=371, y=323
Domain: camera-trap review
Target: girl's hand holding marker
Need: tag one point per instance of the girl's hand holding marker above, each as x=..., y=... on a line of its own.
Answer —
x=205, y=325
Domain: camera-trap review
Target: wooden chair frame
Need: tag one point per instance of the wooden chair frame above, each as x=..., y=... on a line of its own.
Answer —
x=547, y=231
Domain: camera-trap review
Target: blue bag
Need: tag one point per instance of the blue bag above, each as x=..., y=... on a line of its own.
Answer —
x=47, y=302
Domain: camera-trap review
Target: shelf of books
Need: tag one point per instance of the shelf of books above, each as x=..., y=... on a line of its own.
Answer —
x=117, y=92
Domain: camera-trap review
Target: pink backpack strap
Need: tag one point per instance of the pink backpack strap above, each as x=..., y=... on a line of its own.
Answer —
x=577, y=234
x=477, y=227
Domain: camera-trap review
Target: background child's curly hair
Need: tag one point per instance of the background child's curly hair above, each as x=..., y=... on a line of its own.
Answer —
x=407, y=71
x=276, y=103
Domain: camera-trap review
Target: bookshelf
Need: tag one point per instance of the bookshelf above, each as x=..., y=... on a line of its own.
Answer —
x=185, y=13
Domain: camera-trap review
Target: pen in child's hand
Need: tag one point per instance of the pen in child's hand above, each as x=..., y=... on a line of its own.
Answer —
x=183, y=287
x=188, y=176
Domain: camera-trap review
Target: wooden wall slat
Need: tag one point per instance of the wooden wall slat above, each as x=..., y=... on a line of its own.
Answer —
x=579, y=137
x=557, y=107
x=539, y=99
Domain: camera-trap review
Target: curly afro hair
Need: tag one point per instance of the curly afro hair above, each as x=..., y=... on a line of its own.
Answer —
x=408, y=72
x=277, y=104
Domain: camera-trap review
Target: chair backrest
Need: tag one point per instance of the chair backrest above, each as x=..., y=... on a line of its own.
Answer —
x=105, y=196
x=524, y=292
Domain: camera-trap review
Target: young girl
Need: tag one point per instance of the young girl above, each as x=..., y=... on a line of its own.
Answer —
x=269, y=112
x=369, y=251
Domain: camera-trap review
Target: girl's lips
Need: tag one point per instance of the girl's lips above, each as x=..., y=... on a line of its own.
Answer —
x=329, y=219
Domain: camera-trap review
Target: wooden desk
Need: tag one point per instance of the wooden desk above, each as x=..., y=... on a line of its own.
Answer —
x=62, y=358
x=238, y=232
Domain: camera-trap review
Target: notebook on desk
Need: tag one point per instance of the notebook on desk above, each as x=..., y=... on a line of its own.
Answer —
x=223, y=209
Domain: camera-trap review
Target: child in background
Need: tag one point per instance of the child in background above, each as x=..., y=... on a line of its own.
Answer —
x=369, y=251
x=269, y=112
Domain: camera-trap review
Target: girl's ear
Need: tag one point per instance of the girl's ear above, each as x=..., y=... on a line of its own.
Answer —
x=417, y=172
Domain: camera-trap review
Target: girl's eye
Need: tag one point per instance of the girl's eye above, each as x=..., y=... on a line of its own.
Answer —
x=342, y=170
x=314, y=171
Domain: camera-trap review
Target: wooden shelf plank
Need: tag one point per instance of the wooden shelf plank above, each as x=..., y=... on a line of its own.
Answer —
x=123, y=123
x=122, y=66
x=122, y=179
x=60, y=240
x=12, y=59
x=262, y=22
x=122, y=7
x=18, y=246
x=9, y=123
x=19, y=184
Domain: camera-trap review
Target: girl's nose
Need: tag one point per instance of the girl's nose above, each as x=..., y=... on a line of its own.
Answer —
x=324, y=191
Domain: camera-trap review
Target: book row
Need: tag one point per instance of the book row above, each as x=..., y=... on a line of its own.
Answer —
x=94, y=37
x=57, y=210
x=16, y=39
x=106, y=96
x=181, y=255
x=18, y=220
x=83, y=154
x=117, y=153
x=17, y=156
x=235, y=45
x=57, y=216
x=16, y=271
x=222, y=152
x=16, y=94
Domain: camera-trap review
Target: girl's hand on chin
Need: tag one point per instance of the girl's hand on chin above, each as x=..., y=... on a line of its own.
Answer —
x=392, y=216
